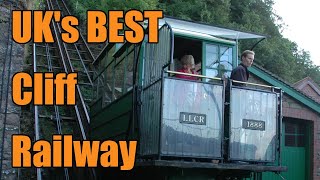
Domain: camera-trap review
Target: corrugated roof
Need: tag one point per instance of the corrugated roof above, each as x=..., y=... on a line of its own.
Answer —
x=213, y=30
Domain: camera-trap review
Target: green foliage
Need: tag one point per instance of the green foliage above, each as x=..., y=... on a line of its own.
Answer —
x=79, y=7
x=277, y=54
x=210, y=11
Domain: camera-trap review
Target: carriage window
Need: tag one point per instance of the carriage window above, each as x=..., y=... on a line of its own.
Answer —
x=123, y=78
x=294, y=134
x=103, y=77
x=118, y=79
x=115, y=77
x=218, y=60
x=128, y=80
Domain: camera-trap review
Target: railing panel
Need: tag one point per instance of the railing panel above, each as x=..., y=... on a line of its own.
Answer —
x=253, y=125
x=150, y=120
x=191, y=119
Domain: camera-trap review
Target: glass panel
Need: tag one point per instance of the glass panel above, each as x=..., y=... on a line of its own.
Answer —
x=290, y=140
x=109, y=83
x=226, y=57
x=301, y=141
x=129, y=72
x=222, y=64
x=192, y=119
x=212, y=56
x=225, y=66
x=227, y=74
x=211, y=73
x=110, y=53
x=290, y=128
x=118, y=45
x=118, y=79
x=301, y=129
x=253, y=125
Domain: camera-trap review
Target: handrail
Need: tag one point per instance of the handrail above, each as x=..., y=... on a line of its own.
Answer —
x=202, y=76
x=194, y=75
x=255, y=84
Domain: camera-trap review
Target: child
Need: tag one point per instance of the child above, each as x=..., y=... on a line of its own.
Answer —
x=188, y=67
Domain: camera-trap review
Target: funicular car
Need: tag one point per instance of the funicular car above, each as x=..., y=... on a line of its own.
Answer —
x=180, y=125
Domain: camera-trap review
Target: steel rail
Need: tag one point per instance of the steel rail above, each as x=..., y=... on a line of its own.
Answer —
x=86, y=45
x=72, y=70
x=56, y=109
x=83, y=134
x=78, y=53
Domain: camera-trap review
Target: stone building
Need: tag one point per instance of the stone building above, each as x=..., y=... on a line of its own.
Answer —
x=300, y=127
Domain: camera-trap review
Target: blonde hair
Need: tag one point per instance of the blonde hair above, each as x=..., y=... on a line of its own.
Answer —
x=187, y=59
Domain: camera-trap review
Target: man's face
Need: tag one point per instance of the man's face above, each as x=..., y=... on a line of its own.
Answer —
x=248, y=60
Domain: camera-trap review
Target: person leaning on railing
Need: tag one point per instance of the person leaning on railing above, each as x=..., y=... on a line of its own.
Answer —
x=188, y=66
x=240, y=73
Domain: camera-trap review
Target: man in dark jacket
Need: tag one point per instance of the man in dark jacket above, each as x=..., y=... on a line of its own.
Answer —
x=240, y=73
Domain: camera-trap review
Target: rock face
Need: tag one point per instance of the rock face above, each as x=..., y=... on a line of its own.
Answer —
x=11, y=61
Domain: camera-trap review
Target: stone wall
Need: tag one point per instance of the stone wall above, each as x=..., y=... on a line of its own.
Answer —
x=9, y=112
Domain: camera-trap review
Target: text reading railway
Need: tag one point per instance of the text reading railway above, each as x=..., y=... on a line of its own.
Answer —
x=36, y=26
x=60, y=153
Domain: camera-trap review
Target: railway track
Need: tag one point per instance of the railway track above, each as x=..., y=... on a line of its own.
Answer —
x=58, y=57
x=61, y=57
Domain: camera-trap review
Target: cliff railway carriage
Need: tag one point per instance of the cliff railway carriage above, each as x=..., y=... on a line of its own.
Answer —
x=180, y=125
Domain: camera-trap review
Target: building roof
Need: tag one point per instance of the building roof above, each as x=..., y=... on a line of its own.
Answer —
x=285, y=86
x=305, y=81
x=308, y=82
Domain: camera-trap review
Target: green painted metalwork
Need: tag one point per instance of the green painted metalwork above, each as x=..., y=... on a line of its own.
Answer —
x=113, y=119
x=297, y=159
x=287, y=89
x=204, y=38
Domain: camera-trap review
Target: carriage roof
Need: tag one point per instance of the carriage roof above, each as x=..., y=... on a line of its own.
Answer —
x=202, y=29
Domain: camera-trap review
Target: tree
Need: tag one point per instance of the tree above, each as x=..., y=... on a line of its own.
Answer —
x=277, y=54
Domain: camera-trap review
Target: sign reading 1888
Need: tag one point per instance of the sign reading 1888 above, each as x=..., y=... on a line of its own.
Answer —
x=193, y=118
x=253, y=124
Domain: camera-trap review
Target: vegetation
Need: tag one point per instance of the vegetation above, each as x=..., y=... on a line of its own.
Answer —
x=279, y=55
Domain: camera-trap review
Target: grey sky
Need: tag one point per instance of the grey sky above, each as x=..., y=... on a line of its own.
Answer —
x=301, y=20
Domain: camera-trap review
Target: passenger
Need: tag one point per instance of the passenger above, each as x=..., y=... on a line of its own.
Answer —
x=241, y=72
x=188, y=66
